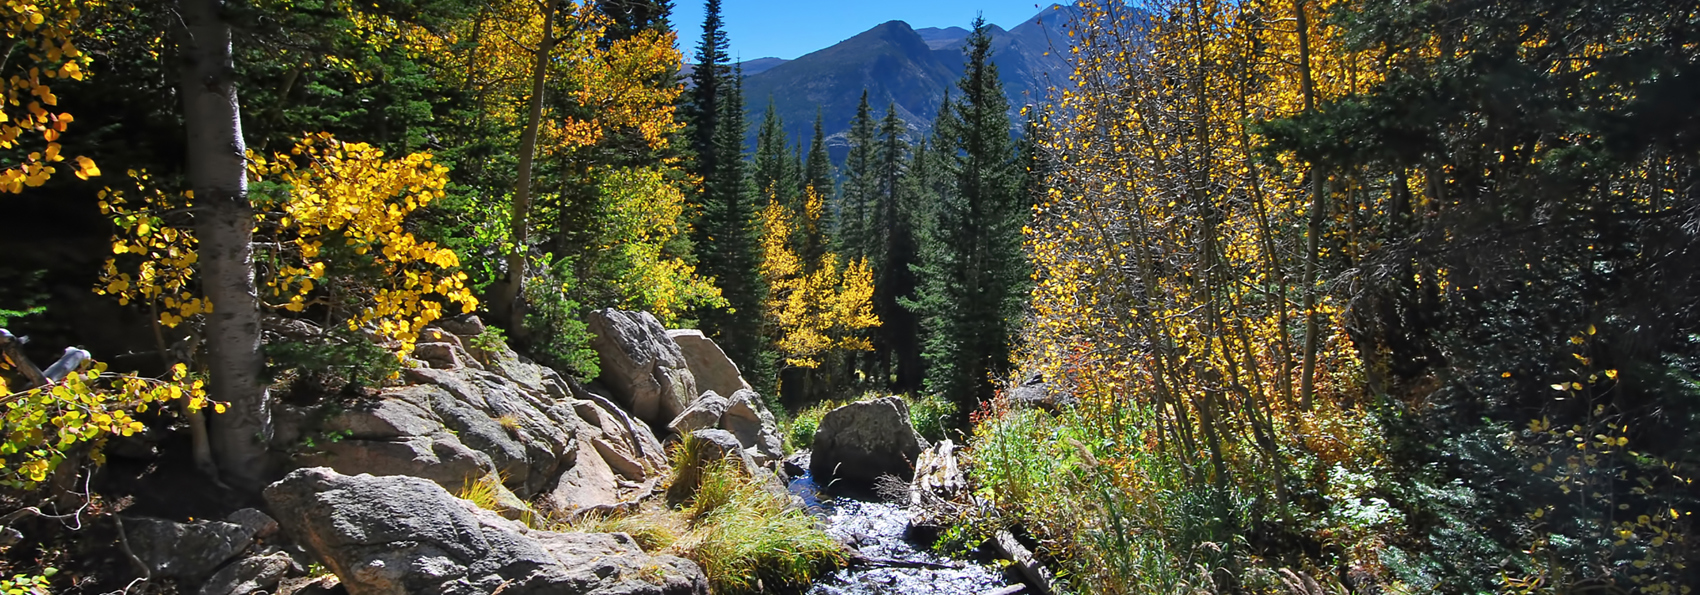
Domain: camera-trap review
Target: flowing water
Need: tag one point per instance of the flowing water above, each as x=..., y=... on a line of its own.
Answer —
x=878, y=530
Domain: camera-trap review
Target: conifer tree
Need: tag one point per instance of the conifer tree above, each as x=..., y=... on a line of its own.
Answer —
x=817, y=176
x=861, y=179
x=730, y=252
x=972, y=274
x=775, y=175
x=892, y=254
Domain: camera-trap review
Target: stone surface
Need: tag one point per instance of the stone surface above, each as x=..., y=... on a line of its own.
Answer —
x=704, y=413
x=402, y=535
x=443, y=355
x=861, y=441
x=259, y=524
x=645, y=369
x=589, y=483
x=187, y=551
x=748, y=418
x=708, y=363
x=465, y=325
x=249, y=575
x=1035, y=393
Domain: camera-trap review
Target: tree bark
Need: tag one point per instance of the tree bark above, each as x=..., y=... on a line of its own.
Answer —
x=508, y=300
x=224, y=222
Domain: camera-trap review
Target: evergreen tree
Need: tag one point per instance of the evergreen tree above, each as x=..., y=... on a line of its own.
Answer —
x=775, y=175
x=897, y=343
x=708, y=80
x=972, y=274
x=861, y=179
x=817, y=177
x=731, y=250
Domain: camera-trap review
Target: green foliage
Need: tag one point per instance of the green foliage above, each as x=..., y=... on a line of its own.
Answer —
x=20, y=295
x=932, y=415
x=749, y=540
x=491, y=340
x=799, y=433
x=972, y=277
x=558, y=335
x=332, y=358
x=28, y=584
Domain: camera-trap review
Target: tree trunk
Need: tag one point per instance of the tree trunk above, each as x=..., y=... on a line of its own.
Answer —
x=1313, y=230
x=224, y=222
x=508, y=301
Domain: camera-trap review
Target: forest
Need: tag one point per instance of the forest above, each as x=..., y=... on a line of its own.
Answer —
x=1270, y=296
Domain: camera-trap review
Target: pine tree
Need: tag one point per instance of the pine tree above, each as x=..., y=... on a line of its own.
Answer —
x=897, y=353
x=861, y=179
x=972, y=274
x=731, y=250
x=712, y=69
x=775, y=175
x=817, y=177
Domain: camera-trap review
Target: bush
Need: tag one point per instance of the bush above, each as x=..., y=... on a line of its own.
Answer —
x=332, y=360
x=931, y=414
x=557, y=334
x=800, y=432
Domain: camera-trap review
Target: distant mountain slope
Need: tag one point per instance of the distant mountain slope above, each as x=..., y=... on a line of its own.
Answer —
x=751, y=67
x=910, y=68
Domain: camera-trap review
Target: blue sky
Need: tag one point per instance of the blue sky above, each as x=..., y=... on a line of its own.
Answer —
x=788, y=29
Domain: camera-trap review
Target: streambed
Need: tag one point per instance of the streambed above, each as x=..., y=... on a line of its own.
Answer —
x=877, y=528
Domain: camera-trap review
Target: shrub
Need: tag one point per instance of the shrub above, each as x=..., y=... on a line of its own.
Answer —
x=749, y=540
x=800, y=432
x=557, y=334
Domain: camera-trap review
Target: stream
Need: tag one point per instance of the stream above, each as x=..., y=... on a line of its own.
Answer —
x=878, y=530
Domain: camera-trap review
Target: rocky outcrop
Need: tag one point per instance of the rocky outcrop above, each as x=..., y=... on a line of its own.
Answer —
x=749, y=420
x=186, y=551
x=400, y=535
x=1035, y=393
x=862, y=441
x=483, y=415
x=249, y=575
x=642, y=366
x=743, y=415
x=708, y=363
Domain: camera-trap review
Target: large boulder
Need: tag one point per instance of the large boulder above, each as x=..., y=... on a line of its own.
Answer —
x=708, y=363
x=862, y=441
x=186, y=551
x=496, y=415
x=705, y=412
x=401, y=535
x=642, y=366
x=748, y=418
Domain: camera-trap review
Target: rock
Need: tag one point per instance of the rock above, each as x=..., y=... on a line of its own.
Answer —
x=259, y=524
x=249, y=575
x=186, y=551
x=646, y=370
x=704, y=413
x=861, y=441
x=1034, y=393
x=443, y=356
x=797, y=464
x=312, y=585
x=749, y=420
x=588, y=484
x=439, y=457
x=465, y=325
x=402, y=535
x=632, y=438
x=708, y=363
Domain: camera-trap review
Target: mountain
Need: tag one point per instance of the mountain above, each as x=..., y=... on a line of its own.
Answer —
x=751, y=67
x=911, y=68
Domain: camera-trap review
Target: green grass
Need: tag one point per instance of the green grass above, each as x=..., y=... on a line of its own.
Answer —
x=746, y=539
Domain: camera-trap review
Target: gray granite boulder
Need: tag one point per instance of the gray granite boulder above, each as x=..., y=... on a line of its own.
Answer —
x=642, y=366
x=862, y=441
x=708, y=363
x=401, y=535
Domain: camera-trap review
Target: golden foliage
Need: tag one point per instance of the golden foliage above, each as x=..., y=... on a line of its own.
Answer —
x=1167, y=256
x=40, y=41
x=337, y=239
x=41, y=425
x=641, y=212
x=813, y=307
